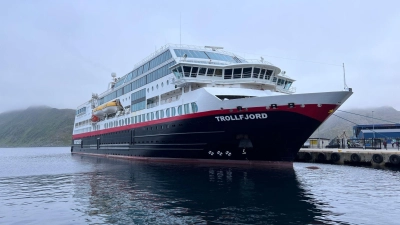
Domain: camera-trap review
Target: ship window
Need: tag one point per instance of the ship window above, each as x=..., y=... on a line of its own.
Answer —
x=148, y=116
x=262, y=73
x=256, y=72
x=173, y=111
x=186, y=108
x=210, y=72
x=161, y=114
x=157, y=115
x=167, y=82
x=152, y=115
x=218, y=72
x=288, y=84
x=167, y=112
x=202, y=71
x=274, y=79
x=180, y=110
x=281, y=81
x=246, y=72
x=194, y=107
x=237, y=73
x=228, y=74
x=162, y=84
x=194, y=72
x=186, y=71
x=143, y=118
x=157, y=86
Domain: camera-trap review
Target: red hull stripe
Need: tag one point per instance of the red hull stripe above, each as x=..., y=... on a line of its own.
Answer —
x=320, y=113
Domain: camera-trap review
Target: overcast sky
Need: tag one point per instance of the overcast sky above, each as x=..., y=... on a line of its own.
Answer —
x=57, y=53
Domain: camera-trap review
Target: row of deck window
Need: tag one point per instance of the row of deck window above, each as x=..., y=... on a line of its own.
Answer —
x=145, y=67
x=159, y=114
x=157, y=74
x=232, y=73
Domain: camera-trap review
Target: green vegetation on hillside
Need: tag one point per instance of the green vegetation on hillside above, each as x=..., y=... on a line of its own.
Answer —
x=36, y=127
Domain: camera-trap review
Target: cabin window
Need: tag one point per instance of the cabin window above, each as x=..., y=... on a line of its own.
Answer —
x=173, y=111
x=167, y=112
x=228, y=74
x=194, y=107
x=210, y=72
x=180, y=110
x=186, y=108
x=157, y=115
x=148, y=116
x=143, y=118
x=161, y=114
x=256, y=72
x=152, y=115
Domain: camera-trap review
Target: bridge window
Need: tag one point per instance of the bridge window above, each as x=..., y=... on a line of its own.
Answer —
x=281, y=81
x=210, y=72
x=194, y=72
x=256, y=72
x=246, y=72
x=288, y=84
x=237, y=73
x=228, y=74
x=218, y=72
x=186, y=71
x=262, y=73
x=268, y=74
x=202, y=71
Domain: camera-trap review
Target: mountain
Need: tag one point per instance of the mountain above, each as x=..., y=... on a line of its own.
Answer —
x=344, y=120
x=39, y=126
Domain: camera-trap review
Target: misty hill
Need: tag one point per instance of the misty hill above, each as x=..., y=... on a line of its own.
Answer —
x=335, y=126
x=39, y=126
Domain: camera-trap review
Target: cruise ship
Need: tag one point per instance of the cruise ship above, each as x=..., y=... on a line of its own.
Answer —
x=190, y=103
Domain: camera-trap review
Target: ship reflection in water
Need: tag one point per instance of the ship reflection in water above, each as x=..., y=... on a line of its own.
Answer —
x=125, y=192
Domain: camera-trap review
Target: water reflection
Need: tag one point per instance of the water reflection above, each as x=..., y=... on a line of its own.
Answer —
x=125, y=192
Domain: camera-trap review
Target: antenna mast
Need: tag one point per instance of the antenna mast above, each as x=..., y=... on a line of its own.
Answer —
x=344, y=79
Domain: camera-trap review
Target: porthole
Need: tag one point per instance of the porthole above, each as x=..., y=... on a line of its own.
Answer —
x=157, y=86
x=167, y=82
x=148, y=89
x=152, y=88
x=162, y=84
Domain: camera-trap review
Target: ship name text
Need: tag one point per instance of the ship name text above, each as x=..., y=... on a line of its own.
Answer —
x=255, y=116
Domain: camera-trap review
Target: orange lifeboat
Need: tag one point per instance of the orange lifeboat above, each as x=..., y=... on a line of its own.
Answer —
x=95, y=118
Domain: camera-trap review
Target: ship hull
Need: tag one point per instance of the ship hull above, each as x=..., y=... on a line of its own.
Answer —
x=252, y=134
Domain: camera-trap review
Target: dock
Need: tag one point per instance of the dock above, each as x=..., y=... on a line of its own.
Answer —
x=373, y=157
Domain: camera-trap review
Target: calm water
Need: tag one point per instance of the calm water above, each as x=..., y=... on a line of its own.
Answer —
x=51, y=186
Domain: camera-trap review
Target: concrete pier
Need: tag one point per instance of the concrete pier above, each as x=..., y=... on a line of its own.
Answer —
x=378, y=157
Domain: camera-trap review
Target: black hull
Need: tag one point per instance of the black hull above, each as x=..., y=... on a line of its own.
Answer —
x=275, y=138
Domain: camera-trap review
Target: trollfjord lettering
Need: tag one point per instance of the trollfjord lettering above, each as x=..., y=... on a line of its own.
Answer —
x=255, y=116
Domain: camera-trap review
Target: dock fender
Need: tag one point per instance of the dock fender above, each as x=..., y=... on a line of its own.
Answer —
x=377, y=158
x=307, y=156
x=335, y=157
x=394, y=159
x=355, y=157
x=321, y=156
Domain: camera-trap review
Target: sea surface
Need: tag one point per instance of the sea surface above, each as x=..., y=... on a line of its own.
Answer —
x=51, y=186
